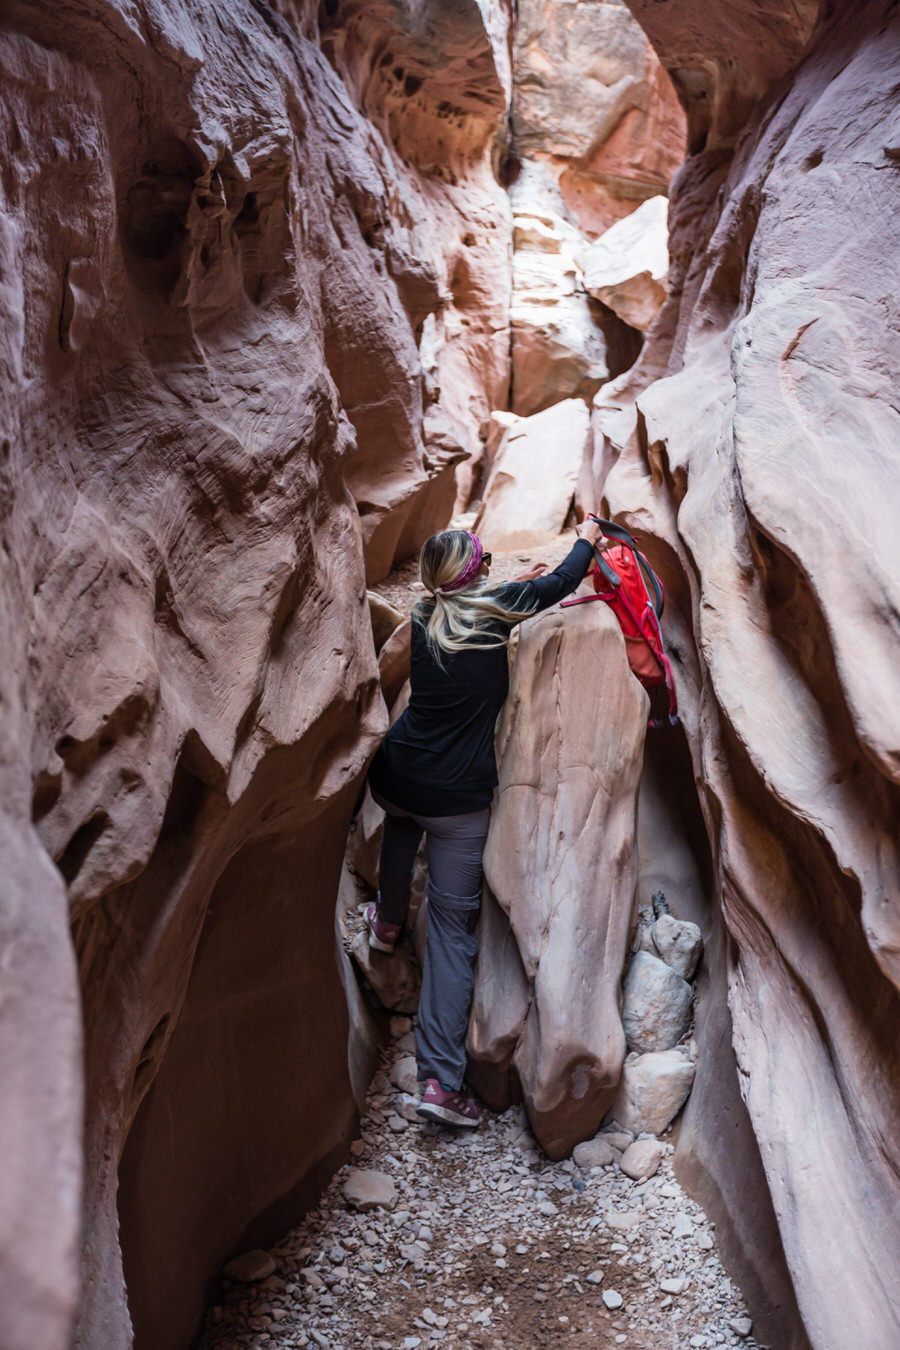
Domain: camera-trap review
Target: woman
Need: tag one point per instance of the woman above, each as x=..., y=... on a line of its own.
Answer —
x=436, y=773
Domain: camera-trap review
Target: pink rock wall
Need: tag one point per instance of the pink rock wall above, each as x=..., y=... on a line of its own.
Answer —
x=753, y=446
x=217, y=281
x=593, y=105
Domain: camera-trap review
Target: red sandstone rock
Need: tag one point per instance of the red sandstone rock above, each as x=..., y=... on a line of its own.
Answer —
x=592, y=103
x=757, y=470
x=225, y=295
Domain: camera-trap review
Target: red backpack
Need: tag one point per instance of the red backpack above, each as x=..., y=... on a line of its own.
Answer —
x=623, y=577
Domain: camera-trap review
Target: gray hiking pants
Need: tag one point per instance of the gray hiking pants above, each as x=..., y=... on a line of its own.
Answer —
x=454, y=848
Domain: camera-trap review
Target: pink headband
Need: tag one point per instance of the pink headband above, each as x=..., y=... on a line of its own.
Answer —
x=471, y=567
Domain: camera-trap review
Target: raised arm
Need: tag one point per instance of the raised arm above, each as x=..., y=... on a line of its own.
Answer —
x=562, y=581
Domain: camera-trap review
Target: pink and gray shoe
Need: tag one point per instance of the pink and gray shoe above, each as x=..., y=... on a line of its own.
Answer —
x=446, y=1106
x=383, y=937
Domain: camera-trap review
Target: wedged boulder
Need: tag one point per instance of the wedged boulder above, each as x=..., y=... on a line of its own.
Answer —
x=532, y=481
x=627, y=266
x=653, y=1089
x=394, y=977
x=560, y=862
x=678, y=942
x=656, y=1004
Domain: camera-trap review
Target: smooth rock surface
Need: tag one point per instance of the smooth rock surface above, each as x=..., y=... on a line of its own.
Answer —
x=642, y=1158
x=596, y=1152
x=730, y=446
x=249, y=1267
x=558, y=347
x=594, y=107
x=570, y=756
x=532, y=481
x=627, y=266
x=656, y=1004
x=367, y=1189
x=652, y=1090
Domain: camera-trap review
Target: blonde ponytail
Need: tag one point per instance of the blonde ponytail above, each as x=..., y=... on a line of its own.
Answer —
x=463, y=618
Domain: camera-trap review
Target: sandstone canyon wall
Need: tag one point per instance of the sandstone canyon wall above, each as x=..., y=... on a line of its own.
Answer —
x=234, y=277
x=595, y=129
x=755, y=447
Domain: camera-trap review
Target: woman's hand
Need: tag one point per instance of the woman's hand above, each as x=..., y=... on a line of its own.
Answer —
x=591, y=531
x=534, y=571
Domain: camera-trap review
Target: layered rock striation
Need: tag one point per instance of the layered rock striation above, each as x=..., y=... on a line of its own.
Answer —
x=753, y=447
x=236, y=278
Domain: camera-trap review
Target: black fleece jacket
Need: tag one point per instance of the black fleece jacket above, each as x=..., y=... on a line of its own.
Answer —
x=438, y=757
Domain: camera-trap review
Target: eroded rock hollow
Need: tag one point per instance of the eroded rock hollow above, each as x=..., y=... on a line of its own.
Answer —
x=266, y=272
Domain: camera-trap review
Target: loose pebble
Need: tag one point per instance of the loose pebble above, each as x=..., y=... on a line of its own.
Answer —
x=430, y=1239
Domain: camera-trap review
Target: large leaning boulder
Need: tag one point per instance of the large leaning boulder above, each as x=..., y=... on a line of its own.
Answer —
x=560, y=865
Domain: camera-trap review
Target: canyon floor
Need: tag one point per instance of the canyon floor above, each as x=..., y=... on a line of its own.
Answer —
x=488, y=1246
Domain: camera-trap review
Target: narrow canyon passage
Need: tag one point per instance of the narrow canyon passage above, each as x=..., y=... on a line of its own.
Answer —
x=285, y=287
x=473, y=1240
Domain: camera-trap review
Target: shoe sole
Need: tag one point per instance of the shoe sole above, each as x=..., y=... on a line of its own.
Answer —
x=378, y=946
x=431, y=1111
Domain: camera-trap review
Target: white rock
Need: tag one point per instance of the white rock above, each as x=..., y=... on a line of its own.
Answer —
x=653, y=1090
x=682, y=1227
x=618, y=1137
x=250, y=1267
x=612, y=1298
x=673, y=1285
x=741, y=1326
x=642, y=1159
x=623, y=1219
x=596, y=1152
x=532, y=482
x=558, y=349
x=626, y=267
x=678, y=942
x=595, y=1277
x=366, y=1189
x=656, y=1004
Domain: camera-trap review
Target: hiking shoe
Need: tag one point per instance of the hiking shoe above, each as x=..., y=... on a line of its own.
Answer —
x=446, y=1107
x=382, y=936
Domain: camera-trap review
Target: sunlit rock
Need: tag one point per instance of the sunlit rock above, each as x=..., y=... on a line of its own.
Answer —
x=627, y=266
x=529, y=492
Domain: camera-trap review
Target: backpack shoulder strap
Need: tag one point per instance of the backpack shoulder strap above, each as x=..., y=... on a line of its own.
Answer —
x=621, y=535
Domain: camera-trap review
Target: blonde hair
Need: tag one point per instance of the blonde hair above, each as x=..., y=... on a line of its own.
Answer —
x=457, y=620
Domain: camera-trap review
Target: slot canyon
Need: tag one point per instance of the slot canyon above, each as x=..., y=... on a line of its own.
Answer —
x=285, y=288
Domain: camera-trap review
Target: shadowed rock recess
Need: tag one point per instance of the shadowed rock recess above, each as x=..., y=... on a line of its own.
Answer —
x=257, y=304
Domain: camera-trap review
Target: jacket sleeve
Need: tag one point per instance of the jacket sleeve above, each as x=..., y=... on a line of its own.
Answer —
x=556, y=585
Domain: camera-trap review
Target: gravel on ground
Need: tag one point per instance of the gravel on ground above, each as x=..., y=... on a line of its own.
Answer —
x=482, y=1243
